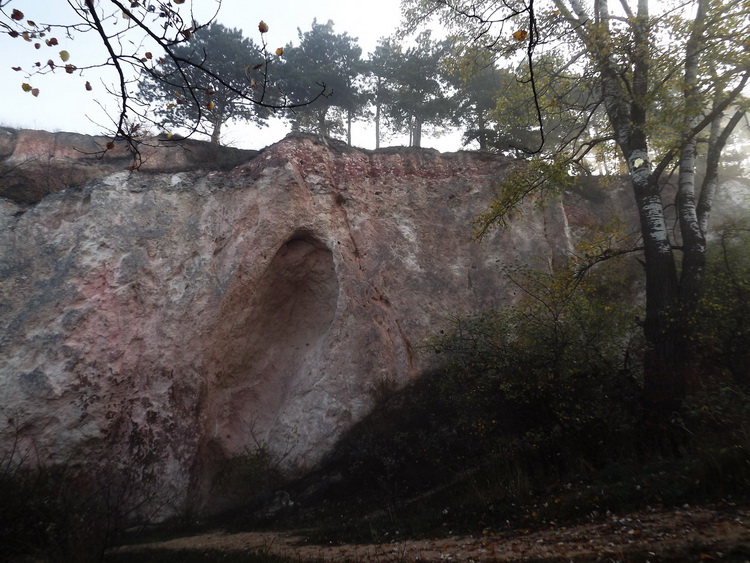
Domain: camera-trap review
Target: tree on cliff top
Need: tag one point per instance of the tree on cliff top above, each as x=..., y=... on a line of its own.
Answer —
x=411, y=88
x=138, y=37
x=323, y=57
x=668, y=84
x=226, y=53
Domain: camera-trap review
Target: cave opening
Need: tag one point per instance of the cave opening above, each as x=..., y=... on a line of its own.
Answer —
x=268, y=342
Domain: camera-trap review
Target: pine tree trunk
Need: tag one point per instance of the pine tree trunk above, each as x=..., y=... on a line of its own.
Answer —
x=216, y=133
x=482, y=131
x=377, y=125
x=417, y=135
x=349, y=128
x=322, y=125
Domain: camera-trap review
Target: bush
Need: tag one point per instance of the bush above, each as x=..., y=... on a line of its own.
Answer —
x=717, y=414
x=63, y=512
x=544, y=400
x=527, y=393
x=722, y=324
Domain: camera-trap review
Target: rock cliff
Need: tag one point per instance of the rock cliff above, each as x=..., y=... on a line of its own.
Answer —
x=168, y=321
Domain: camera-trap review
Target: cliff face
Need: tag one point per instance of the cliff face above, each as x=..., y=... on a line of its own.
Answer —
x=34, y=164
x=171, y=321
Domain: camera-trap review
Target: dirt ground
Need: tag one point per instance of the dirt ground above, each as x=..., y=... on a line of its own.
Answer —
x=712, y=533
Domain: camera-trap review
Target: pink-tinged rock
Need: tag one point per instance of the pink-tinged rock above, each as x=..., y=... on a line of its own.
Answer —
x=34, y=164
x=169, y=322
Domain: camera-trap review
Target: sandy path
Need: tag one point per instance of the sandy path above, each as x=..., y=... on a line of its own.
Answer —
x=715, y=529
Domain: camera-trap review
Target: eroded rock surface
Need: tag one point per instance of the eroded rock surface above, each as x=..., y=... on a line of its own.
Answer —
x=34, y=164
x=169, y=322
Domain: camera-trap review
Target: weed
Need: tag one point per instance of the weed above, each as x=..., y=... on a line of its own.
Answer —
x=64, y=512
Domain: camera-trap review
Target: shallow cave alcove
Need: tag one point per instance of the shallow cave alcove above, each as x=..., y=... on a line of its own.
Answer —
x=271, y=334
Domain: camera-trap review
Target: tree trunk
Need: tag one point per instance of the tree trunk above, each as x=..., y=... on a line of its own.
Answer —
x=716, y=142
x=349, y=127
x=216, y=133
x=322, y=124
x=663, y=384
x=693, y=237
x=416, y=140
x=482, y=130
x=377, y=125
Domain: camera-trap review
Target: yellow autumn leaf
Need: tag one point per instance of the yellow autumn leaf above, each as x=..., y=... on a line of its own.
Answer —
x=26, y=87
x=210, y=105
x=280, y=51
x=520, y=35
x=64, y=55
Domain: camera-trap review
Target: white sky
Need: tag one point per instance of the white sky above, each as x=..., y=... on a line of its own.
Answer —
x=63, y=103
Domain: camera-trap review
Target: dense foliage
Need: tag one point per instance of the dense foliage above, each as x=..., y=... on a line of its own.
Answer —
x=661, y=87
x=549, y=392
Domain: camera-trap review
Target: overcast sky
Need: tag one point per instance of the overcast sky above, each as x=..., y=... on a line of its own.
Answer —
x=64, y=104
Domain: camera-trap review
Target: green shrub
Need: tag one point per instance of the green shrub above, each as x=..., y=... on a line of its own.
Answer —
x=722, y=324
x=253, y=474
x=545, y=398
x=530, y=392
x=717, y=414
x=64, y=512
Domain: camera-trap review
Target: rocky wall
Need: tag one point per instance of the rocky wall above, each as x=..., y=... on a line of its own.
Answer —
x=168, y=322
